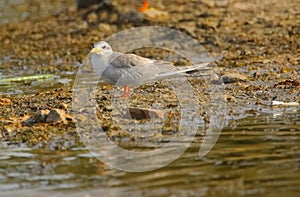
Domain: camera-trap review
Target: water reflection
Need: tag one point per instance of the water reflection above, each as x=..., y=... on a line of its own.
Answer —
x=260, y=156
x=31, y=86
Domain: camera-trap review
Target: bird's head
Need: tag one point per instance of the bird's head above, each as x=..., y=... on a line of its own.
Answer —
x=102, y=48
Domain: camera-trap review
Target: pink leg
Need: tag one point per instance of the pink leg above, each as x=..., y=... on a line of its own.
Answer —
x=126, y=92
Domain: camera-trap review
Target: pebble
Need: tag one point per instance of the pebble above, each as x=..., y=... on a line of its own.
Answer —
x=156, y=15
x=63, y=106
x=41, y=116
x=233, y=77
x=56, y=115
x=229, y=98
x=48, y=116
x=143, y=113
x=92, y=18
x=131, y=17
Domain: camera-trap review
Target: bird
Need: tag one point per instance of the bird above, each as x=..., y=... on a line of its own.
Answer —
x=130, y=70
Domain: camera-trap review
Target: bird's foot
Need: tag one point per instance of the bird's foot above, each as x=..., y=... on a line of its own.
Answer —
x=126, y=92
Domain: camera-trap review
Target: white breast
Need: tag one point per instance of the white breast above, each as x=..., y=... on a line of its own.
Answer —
x=99, y=64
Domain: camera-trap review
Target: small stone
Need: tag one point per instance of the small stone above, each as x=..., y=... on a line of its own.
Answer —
x=131, y=17
x=104, y=27
x=243, y=85
x=142, y=113
x=63, y=106
x=171, y=105
x=69, y=118
x=156, y=15
x=92, y=18
x=29, y=122
x=233, y=77
x=229, y=98
x=56, y=115
x=40, y=116
x=108, y=108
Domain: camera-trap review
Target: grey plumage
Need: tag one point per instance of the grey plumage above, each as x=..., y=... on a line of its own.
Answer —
x=133, y=70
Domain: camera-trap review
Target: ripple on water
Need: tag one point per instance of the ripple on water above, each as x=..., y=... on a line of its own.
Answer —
x=244, y=161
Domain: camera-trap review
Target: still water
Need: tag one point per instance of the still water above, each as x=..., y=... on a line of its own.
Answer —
x=258, y=155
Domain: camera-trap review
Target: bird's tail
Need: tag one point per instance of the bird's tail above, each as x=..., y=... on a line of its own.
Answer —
x=182, y=70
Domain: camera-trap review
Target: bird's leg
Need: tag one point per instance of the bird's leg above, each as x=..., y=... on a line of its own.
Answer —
x=126, y=92
x=145, y=6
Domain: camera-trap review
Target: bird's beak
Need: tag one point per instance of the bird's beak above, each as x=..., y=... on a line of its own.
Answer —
x=95, y=50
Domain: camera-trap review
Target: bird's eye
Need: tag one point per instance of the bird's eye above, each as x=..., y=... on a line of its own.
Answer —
x=104, y=47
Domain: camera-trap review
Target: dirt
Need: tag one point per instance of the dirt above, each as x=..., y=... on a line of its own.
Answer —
x=259, y=42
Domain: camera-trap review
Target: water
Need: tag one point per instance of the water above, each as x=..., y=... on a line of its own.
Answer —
x=259, y=156
x=31, y=86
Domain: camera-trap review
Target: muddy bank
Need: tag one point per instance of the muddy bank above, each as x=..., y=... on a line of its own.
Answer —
x=260, y=42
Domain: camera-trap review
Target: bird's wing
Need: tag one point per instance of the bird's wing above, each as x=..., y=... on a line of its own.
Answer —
x=135, y=70
x=130, y=69
x=120, y=60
